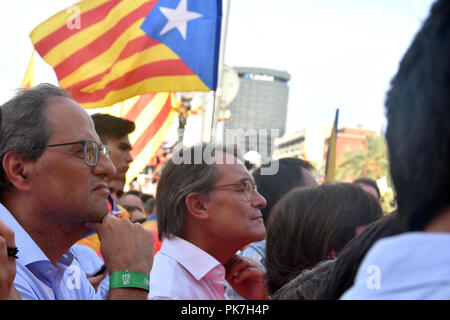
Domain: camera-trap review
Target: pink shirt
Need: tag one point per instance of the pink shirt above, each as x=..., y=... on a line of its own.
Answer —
x=183, y=271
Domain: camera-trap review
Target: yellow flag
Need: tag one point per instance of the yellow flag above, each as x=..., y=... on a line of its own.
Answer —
x=28, y=81
x=330, y=168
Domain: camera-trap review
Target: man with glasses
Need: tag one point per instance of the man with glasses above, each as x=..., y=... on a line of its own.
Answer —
x=207, y=208
x=53, y=191
x=113, y=133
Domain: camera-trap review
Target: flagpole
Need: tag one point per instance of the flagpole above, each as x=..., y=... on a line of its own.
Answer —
x=330, y=166
x=217, y=92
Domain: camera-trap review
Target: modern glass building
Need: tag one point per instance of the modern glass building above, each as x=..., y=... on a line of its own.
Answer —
x=259, y=110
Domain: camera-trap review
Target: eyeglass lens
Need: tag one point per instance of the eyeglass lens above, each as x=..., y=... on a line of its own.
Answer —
x=249, y=187
x=91, y=152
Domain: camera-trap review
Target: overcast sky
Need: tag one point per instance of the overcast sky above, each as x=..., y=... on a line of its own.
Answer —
x=339, y=53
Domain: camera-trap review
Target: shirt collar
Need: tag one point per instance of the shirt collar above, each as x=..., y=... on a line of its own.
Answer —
x=29, y=251
x=198, y=262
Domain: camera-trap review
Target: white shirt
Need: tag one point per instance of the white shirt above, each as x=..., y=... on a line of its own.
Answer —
x=183, y=271
x=412, y=266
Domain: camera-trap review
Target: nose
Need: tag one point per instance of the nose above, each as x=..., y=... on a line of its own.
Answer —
x=128, y=157
x=258, y=200
x=105, y=167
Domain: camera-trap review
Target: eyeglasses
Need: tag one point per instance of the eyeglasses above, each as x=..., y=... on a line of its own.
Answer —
x=248, y=187
x=91, y=150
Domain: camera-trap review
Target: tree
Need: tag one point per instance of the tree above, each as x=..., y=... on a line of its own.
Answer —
x=370, y=161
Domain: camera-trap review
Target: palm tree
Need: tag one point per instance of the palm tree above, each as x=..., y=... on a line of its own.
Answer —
x=370, y=161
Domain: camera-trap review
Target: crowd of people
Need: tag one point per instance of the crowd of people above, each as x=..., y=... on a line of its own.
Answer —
x=215, y=230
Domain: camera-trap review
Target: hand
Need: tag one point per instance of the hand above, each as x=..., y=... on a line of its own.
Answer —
x=246, y=277
x=7, y=264
x=124, y=245
x=95, y=280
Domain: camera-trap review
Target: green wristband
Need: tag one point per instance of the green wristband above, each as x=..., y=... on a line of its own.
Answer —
x=128, y=279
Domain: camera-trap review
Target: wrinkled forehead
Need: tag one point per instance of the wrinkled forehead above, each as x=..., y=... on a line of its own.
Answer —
x=69, y=120
x=224, y=158
x=230, y=168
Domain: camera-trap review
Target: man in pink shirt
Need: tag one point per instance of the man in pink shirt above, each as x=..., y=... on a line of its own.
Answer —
x=207, y=209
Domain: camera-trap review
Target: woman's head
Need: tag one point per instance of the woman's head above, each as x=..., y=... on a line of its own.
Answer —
x=292, y=173
x=311, y=224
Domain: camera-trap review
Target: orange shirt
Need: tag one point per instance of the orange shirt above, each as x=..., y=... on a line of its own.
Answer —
x=152, y=225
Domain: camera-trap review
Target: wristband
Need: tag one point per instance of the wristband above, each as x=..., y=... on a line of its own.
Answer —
x=128, y=279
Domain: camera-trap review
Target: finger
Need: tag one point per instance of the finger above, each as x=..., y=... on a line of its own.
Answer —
x=3, y=249
x=237, y=267
x=7, y=234
x=98, y=278
x=252, y=272
x=242, y=268
x=232, y=262
x=95, y=281
x=99, y=226
x=237, y=262
x=4, y=256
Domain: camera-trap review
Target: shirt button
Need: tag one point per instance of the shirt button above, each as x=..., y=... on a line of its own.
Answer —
x=49, y=271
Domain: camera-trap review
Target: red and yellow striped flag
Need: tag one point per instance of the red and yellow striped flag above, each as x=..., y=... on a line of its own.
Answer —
x=113, y=50
x=28, y=81
x=153, y=113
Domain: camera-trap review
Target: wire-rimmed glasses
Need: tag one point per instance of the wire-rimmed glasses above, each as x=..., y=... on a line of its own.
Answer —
x=91, y=150
x=249, y=188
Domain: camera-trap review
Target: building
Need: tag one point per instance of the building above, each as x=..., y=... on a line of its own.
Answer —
x=312, y=143
x=306, y=144
x=349, y=139
x=258, y=113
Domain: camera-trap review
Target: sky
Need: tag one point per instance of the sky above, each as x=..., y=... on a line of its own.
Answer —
x=339, y=53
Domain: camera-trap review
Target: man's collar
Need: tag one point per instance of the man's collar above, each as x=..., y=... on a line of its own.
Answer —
x=197, y=261
x=29, y=251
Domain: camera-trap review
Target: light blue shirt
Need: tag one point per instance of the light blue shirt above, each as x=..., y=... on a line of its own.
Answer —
x=255, y=251
x=91, y=262
x=36, y=278
x=410, y=266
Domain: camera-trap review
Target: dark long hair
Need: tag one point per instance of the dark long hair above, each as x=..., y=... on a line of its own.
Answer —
x=307, y=224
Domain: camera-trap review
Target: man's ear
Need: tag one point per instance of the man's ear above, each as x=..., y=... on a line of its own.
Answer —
x=16, y=170
x=195, y=203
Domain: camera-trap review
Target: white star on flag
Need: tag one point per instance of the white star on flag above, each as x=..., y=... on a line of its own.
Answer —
x=178, y=18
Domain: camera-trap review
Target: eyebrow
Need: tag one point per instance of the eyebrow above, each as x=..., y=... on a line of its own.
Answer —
x=247, y=179
x=126, y=145
x=75, y=146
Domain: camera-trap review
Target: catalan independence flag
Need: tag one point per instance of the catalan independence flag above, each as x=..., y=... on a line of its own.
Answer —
x=153, y=113
x=117, y=49
x=330, y=167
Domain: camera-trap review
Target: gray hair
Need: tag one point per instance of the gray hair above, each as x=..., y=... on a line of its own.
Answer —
x=180, y=178
x=25, y=128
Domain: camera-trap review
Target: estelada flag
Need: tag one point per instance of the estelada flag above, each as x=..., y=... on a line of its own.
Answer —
x=153, y=113
x=106, y=51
